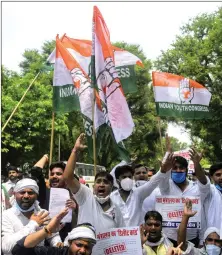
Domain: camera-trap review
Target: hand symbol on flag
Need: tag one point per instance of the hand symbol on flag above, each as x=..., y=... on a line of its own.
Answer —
x=186, y=92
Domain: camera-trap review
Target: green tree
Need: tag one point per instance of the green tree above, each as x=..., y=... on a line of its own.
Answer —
x=196, y=54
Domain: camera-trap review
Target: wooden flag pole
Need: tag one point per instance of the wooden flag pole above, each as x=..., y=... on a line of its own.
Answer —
x=52, y=139
x=20, y=101
x=159, y=127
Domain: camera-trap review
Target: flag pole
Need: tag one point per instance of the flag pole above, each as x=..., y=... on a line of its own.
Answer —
x=52, y=138
x=59, y=149
x=159, y=127
x=93, y=79
x=20, y=101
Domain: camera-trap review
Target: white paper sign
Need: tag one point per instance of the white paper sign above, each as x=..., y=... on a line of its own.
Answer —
x=171, y=209
x=118, y=241
x=57, y=203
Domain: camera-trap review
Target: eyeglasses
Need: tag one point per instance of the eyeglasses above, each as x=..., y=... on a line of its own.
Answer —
x=218, y=241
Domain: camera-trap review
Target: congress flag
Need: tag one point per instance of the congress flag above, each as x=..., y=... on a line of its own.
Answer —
x=107, y=82
x=177, y=96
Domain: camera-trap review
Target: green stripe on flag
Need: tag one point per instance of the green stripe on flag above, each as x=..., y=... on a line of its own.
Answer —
x=186, y=111
x=65, y=98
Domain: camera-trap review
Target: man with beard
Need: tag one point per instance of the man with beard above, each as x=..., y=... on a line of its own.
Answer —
x=97, y=209
x=153, y=240
x=25, y=216
x=213, y=202
x=80, y=240
x=13, y=178
x=56, y=180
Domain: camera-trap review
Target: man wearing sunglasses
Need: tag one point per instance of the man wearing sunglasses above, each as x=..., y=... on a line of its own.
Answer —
x=212, y=242
x=152, y=238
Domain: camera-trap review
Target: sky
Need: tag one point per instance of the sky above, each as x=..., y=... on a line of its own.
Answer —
x=152, y=25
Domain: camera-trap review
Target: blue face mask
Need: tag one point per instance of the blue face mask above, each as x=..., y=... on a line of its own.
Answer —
x=178, y=177
x=218, y=187
x=212, y=249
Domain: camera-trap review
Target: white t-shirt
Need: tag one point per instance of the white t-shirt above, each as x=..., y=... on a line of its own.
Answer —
x=213, y=208
x=131, y=209
x=91, y=211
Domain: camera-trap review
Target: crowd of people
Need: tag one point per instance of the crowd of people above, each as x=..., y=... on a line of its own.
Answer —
x=124, y=198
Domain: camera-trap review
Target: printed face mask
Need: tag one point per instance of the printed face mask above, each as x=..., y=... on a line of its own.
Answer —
x=213, y=249
x=127, y=184
x=178, y=177
x=218, y=187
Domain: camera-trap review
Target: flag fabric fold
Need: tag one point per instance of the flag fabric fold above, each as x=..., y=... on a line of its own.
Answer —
x=177, y=96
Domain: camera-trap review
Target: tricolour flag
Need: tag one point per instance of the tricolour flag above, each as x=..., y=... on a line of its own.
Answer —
x=106, y=81
x=65, y=98
x=177, y=96
x=68, y=72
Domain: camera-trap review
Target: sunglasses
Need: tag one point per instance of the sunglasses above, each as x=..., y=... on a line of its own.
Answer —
x=214, y=240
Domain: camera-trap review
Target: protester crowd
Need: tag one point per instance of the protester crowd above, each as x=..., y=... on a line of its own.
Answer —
x=124, y=198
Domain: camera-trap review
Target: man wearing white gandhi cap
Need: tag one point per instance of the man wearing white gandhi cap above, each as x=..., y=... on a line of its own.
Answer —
x=25, y=216
x=80, y=240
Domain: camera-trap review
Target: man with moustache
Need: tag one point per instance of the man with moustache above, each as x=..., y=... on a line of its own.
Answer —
x=25, y=216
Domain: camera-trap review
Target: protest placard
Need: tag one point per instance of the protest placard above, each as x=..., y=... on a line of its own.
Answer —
x=171, y=209
x=119, y=241
x=58, y=197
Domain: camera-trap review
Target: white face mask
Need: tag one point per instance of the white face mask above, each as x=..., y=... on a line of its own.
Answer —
x=102, y=200
x=127, y=184
x=140, y=183
x=212, y=249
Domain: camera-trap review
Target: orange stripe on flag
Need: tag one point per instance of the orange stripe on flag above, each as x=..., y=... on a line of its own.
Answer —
x=172, y=80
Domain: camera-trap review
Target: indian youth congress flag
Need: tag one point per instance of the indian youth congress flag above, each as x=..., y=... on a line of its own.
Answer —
x=177, y=96
x=65, y=98
x=68, y=72
x=107, y=82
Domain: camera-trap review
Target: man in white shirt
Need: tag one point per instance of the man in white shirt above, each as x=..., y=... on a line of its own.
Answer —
x=213, y=202
x=140, y=175
x=25, y=216
x=179, y=185
x=212, y=242
x=130, y=200
x=97, y=209
x=13, y=178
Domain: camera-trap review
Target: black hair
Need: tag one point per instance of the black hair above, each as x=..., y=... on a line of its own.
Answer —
x=152, y=170
x=182, y=161
x=12, y=168
x=214, y=168
x=138, y=166
x=122, y=170
x=59, y=164
x=105, y=174
x=153, y=215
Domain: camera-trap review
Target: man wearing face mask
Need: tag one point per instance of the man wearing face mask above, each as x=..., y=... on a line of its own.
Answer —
x=213, y=202
x=179, y=185
x=97, y=209
x=25, y=216
x=212, y=242
x=130, y=200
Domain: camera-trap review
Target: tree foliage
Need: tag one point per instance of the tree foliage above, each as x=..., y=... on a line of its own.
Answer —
x=197, y=54
x=27, y=136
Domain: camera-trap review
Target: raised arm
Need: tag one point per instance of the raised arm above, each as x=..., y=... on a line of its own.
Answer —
x=196, y=158
x=72, y=183
x=182, y=231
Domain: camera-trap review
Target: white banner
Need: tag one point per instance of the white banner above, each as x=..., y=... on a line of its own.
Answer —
x=171, y=209
x=118, y=241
